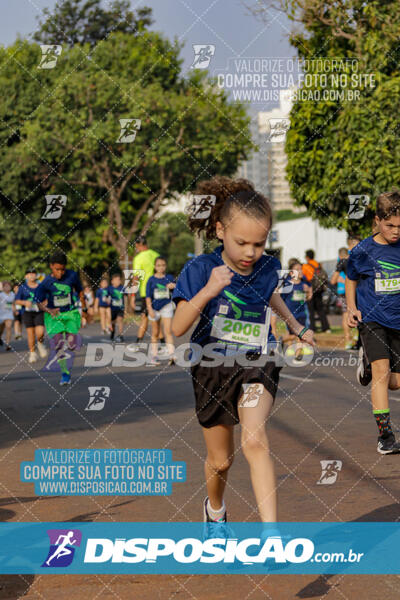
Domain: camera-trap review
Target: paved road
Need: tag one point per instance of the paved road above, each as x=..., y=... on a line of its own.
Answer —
x=320, y=413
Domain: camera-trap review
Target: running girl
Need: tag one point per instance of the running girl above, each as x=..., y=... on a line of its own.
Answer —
x=230, y=290
x=61, y=317
x=102, y=305
x=160, y=308
x=373, y=301
x=32, y=317
x=7, y=298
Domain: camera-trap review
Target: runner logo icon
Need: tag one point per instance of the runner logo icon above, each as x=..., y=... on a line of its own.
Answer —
x=62, y=547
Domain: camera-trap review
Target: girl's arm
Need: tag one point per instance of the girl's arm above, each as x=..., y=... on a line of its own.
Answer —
x=150, y=309
x=188, y=311
x=280, y=308
x=353, y=315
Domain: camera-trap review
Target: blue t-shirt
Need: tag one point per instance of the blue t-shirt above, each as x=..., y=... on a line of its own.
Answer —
x=244, y=299
x=25, y=292
x=59, y=292
x=117, y=297
x=376, y=267
x=157, y=290
x=102, y=294
x=295, y=300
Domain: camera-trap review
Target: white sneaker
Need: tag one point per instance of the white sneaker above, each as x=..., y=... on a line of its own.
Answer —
x=42, y=350
x=33, y=357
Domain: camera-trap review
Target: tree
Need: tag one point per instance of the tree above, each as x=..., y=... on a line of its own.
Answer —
x=65, y=140
x=338, y=147
x=172, y=238
x=86, y=21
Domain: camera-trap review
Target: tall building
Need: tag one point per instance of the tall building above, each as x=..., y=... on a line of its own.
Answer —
x=266, y=168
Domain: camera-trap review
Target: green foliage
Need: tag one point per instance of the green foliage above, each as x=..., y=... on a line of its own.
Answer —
x=60, y=136
x=86, y=21
x=172, y=238
x=340, y=148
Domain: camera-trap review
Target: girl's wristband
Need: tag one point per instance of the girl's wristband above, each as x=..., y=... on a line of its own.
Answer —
x=302, y=332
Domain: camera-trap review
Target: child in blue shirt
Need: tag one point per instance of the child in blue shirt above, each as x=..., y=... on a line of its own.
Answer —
x=373, y=301
x=116, y=293
x=295, y=292
x=230, y=290
x=160, y=308
x=102, y=305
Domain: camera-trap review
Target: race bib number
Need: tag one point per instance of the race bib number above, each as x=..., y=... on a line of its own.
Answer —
x=387, y=286
x=117, y=302
x=299, y=296
x=246, y=325
x=34, y=308
x=160, y=294
x=62, y=300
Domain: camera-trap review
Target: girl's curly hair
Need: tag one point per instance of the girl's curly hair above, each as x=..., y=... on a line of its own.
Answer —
x=228, y=194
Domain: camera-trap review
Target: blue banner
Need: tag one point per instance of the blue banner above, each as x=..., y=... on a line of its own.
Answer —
x=198, y=548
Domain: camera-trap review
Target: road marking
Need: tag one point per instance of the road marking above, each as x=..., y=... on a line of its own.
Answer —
x=295, y=378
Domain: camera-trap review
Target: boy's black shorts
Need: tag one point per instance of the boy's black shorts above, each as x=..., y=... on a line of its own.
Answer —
x=217, y=390
x=116, y=312
x=381, y=342
x=32, y=319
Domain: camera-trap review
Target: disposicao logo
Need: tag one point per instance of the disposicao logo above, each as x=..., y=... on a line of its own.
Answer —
x=62, y=547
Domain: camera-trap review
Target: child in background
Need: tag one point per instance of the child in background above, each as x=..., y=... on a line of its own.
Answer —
x=7, y=298
x=160, y=308
x=32, y=317
x=17, y=316
x=339, y=279
x=55, y=296
x=102, y=305
x=296, y=298
x=116, y=292
x=373, y=300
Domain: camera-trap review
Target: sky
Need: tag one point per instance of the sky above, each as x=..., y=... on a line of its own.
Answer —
x=237, y=36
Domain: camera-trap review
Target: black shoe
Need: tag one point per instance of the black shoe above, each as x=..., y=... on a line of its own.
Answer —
x=364, y=372
x=119, y=338
x=112, y=333
x=388, y=445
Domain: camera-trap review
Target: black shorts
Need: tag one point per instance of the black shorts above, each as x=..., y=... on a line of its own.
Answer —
x=217, y=390
x=18, y=317
x=32, y=319
x=116, y=312
x=381, y=342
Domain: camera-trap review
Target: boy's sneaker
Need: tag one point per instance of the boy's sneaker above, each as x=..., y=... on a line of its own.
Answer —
x=388, y=445
x=215, y=529
x=65, y=379
x=42, y=350
x=18, y=336
x=8, y=348
x=172, y=361
x=364, y=371
x=119, y=338
x=32, y=357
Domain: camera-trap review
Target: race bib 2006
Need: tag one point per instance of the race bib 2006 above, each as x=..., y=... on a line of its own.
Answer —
x=247, y=325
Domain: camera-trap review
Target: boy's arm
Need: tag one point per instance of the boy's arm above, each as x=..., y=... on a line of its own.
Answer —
x=354, y=315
